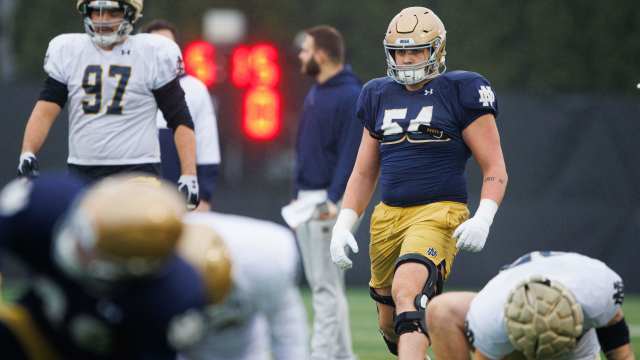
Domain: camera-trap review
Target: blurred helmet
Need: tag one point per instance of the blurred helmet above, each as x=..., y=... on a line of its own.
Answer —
x=204, y=249
x=132, y=10
x=124, y=226
x=543, y=319
x=30, y=211
x=415, y=28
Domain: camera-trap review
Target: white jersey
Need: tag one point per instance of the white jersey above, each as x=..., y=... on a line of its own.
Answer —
x=112, y=110
x=204, y=120
x=264, y=313
x=596, y=287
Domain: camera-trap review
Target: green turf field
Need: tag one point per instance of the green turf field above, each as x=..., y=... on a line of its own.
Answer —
x=368, y=344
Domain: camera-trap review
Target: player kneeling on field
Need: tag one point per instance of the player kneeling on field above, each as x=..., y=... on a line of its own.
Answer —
x=249, y=267
x=546, y=305
x=105, y=282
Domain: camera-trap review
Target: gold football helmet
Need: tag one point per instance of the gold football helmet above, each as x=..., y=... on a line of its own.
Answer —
x=124, y=226
x=132, y=12
x=543, y=319
x=415, y=28
x=203, y=248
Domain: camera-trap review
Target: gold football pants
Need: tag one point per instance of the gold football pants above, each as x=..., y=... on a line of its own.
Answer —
x=424, y=229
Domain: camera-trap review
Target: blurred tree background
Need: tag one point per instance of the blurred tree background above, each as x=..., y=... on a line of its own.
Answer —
x=543, y=46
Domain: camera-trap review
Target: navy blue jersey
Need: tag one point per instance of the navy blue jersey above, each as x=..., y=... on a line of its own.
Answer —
x=139, y=319
x=136, y=320
x=422, y=152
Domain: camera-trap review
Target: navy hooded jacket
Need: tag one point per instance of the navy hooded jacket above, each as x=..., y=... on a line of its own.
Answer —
x=329, y=135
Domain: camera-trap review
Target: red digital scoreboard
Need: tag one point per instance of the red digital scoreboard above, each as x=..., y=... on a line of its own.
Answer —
x=255, y=69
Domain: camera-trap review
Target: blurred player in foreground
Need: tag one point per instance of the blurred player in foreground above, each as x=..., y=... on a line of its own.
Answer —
x=205, y=127
x=421, y=127
x=114, y=83
x=104, y=282
x=249, y=267
x=546, y=305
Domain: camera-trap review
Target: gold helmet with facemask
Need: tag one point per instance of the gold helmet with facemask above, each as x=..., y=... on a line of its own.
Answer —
x=132, y=10
x=124, y=226
x=205, y=250
x=415, y=28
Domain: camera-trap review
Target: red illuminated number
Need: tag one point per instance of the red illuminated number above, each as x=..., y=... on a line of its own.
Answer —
x=257, y=69
x=241, y=67
x=200, y=61
x=261, y=113
x=264, y=60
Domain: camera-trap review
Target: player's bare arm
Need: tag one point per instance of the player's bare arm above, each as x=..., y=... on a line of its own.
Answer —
x=615, y=336
x=185, y=140
x=42, y=118
x=364, y=176
x=186, y=146
x=446, y=323
x=483, y=139
x=477, y=355
x=40, y=122
x=359, y=189
x=516, y=355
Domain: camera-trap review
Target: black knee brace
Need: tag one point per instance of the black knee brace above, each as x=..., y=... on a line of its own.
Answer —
x=382, y=299
x=393, y=347
x=386, y=300
x=411, y=321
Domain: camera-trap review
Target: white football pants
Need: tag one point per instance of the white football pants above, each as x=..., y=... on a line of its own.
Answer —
x=331, y=338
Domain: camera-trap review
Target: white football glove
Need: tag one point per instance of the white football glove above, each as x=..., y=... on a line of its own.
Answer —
x=28, y=166
x=188, y=186
x=342, y=237
x=472, y=234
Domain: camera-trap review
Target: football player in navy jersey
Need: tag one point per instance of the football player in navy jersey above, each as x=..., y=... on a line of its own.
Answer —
x=105, y=281
x=421, y=127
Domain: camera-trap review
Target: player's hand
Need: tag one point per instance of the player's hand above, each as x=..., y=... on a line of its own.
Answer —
x=340, y=239
x=188, y=185
x=472, y=234
x=326, y=210
x=28, y=165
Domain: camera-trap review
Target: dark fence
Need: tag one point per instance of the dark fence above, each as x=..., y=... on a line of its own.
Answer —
x=574, y=179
